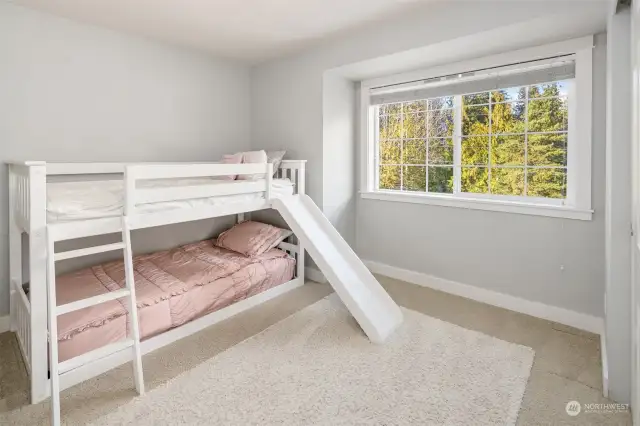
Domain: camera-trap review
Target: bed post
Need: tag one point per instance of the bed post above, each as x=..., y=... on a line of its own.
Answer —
x=129, y=190
x=301, y=176
x=37, y=278
x=15, y=249
x=301, y=251
x=269, y=180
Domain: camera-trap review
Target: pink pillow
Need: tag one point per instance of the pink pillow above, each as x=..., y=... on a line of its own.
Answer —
x=252, y=238
x=253, y=157
x=230, y=159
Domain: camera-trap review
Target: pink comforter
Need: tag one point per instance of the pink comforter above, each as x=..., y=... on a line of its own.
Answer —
x=172, y=288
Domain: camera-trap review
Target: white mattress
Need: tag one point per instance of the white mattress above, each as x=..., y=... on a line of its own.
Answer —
x=68, y=201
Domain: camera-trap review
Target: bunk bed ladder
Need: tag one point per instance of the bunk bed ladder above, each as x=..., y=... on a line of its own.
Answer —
x=132, y=343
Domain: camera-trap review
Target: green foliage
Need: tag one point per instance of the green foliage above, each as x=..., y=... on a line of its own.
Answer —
x=496, y=157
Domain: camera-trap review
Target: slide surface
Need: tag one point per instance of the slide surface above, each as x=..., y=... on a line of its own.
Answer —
x=362, y=294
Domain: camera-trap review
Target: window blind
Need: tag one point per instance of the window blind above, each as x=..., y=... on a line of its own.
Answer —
x=537, y=72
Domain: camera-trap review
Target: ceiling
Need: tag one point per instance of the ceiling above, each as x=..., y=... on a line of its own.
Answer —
x=247, y=30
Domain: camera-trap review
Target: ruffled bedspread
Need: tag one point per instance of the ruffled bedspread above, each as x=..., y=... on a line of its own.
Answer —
x=213, y=277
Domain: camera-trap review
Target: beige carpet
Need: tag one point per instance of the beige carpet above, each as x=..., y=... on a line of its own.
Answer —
x=317, y=367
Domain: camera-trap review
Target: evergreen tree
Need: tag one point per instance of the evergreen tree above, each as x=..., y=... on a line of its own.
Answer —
x=417, y=135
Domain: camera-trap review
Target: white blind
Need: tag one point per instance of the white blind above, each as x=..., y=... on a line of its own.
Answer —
x=544, y=71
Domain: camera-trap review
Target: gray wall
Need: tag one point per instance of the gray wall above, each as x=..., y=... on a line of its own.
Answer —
x=96, y=94
x=618, y=207
x=338, y=150
x=73, y=92
x=554, y=261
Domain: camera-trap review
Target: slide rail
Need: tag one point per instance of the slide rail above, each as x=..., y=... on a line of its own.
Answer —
x=371, y=306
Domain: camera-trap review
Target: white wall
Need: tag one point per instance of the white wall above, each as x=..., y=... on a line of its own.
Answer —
x=73, y=92
x=553, y=261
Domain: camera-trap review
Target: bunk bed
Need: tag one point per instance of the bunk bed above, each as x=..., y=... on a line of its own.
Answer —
x=147, y=195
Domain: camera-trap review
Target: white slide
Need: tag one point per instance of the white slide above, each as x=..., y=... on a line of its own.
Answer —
x=362, y=294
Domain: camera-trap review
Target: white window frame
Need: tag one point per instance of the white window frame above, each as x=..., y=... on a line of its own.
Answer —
x=577, y=205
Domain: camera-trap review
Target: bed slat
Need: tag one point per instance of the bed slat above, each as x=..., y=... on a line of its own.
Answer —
x=88, y=251
x=96, y=354
x=158, y=195
x=172, y=171
x=92, y=301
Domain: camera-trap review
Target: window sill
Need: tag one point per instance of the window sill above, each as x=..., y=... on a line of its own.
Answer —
x=479, y=204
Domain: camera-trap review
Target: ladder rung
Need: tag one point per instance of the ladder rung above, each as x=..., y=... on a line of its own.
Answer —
x=63, y=255
x=91, y=301
x=94, y=355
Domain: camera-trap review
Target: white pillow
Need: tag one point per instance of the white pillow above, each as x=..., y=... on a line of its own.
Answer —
x=253, y=157
x=275, y=157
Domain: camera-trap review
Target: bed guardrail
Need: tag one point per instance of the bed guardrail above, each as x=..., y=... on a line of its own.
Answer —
x=20, y=184
x=20, y=192
x=27, y=194
x=293, y=170
x=21, y=320
x=294, y=249
x=135, y=195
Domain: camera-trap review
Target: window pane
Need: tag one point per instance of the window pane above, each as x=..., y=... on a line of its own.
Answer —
x=475, y=98
x=547, y=115
x=558, y=88
x=440, y=103
x=474, y=179
x=390, y=177
x=394, y=127
x=475, y=150
x=507, y=117
x=383, y=127
x=475, y=120
x=547, y=149
x=393, y=108
x=510, y=94
x=390, y=152
x=415, y=125
x=441, y=151
x=441, y=180
x=550, y=183
x=507, y=150
x=414, y=178
x=415, y=106
x=520, y=132
x=414, y=152
x=440, y=123
x=507, y=181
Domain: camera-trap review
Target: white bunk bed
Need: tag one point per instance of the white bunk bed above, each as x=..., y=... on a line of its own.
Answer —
x=29, y=215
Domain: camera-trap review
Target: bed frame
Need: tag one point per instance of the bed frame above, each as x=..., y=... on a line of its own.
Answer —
x=28, y=215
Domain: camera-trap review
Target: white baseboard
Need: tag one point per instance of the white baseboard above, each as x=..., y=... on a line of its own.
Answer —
x=605, y=365
x=4, y=324
x=536, y=309
x=314, y=274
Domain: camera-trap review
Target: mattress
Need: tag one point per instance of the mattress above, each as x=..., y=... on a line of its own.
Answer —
x=67, y=201
x=173, y=287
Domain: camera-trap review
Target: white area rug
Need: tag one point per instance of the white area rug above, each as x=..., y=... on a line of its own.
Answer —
x=317, y=368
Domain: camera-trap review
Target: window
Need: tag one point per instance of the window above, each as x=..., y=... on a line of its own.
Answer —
x=502, y=136
x=512, y=142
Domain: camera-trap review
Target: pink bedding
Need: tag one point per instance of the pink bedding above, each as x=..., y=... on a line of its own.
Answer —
x=172, y=287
